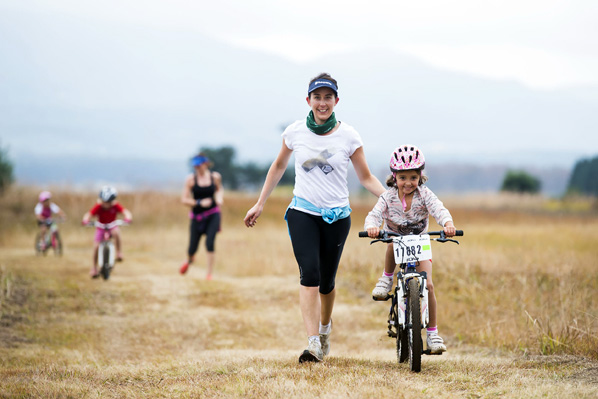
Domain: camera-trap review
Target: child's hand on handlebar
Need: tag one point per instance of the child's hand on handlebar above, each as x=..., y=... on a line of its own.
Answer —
x=373, y=232
x=449, y=229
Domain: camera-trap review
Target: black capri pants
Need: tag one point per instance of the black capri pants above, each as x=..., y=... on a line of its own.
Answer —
x=318, y=247
x=208, y=226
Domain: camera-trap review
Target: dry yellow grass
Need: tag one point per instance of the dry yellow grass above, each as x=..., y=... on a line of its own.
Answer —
x=517, y=307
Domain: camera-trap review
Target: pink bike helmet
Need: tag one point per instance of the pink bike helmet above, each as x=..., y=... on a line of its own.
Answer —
x=406, y=157
x=44, y=195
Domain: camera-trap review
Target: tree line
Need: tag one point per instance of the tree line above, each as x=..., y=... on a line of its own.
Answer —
x=241, y=176
x=6, y=170
x=250, y=175
x=583, y=180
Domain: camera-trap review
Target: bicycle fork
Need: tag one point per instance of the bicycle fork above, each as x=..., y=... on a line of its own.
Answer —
x=111, y=254
x=402, y=294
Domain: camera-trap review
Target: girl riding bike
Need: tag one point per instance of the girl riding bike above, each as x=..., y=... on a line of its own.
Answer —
x=405, y=208
x=106, y=210
x=44, y=212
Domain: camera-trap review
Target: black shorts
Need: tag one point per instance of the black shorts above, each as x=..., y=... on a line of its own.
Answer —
x=208, y=226
x=318, y=247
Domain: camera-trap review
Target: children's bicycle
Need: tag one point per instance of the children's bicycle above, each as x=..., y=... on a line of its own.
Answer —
x=48, y=239
x=409, y=306
x=106, y=248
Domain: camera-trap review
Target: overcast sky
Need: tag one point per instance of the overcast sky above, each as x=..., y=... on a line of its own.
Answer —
x=483, y=81
x=544, y=44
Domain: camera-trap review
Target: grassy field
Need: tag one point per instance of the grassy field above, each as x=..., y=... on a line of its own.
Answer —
x=517, y=307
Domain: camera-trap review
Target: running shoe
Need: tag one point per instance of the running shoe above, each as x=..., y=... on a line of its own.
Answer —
x=313, y=353
x=383, y=287
x=325, y=341
x=184, y=268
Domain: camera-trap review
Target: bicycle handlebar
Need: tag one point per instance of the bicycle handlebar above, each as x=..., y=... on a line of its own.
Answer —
x=50, y=221
x=392, y=233
x=108, y=226
x=439, y=233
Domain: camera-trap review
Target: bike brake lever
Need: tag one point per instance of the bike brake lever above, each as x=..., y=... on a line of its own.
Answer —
x=383, y=238
x=446, y=239
x=379, y=239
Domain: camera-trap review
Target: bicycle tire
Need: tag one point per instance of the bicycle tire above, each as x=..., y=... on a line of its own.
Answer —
x=105, y=271
x=57, y=244
x=37, y=244
x=402, y=343
x=40, y=244
x=414, y=329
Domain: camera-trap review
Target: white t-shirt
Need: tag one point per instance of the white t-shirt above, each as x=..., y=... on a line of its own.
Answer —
x=39, y=208
x=321, y=163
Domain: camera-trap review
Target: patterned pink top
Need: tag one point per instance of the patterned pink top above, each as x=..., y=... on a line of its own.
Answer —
x=389, y=209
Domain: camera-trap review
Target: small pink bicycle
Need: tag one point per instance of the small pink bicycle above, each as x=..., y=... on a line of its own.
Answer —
x=106, y=248
x=48, y=239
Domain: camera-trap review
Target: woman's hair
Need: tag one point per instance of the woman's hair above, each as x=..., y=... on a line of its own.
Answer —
x=391, y=181
x=324, y=75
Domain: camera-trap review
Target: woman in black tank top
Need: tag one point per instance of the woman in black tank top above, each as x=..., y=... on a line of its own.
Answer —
x=203, y=194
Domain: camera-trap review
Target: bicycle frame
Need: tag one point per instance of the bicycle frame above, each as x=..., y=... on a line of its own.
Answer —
x=106, y=247
x=48, y=238
x=407, y=272
x=106, y=251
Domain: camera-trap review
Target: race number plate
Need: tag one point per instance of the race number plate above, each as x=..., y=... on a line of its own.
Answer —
x=412, y=248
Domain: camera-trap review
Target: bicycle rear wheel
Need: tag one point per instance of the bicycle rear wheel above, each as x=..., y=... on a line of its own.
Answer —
x=414, y=326
x=57, y=244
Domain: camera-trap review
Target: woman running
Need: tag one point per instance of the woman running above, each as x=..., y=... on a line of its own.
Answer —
x=203, y=194
x=318, y=216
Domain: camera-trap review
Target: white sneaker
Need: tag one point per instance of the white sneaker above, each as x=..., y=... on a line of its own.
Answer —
x=325, y=341
x=313, y=353
x=383, y=287
x=436, y=343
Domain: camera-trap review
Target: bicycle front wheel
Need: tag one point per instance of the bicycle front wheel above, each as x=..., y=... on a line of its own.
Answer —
x=105, y=271
x=40, y=244
x=402, y=343
x=414, y=326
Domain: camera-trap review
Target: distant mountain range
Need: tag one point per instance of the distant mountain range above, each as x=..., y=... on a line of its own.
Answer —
x=77, y=92
x=91, y=173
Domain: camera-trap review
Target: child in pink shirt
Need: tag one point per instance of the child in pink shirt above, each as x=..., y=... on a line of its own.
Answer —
x=405, y=208
x=106, y=210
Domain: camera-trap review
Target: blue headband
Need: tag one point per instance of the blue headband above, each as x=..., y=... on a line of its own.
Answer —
x=199, y=160
x=316, y=84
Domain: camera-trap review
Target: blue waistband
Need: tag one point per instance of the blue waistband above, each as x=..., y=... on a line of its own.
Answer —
x=329, y=215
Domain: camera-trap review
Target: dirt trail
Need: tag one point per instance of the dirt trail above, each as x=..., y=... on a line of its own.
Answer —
x=234, y=336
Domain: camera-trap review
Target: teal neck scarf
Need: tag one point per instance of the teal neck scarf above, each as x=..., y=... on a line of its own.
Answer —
x=320, y=129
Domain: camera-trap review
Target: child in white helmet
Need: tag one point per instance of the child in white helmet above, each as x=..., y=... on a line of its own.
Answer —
x=404, y=209
x=106, y=210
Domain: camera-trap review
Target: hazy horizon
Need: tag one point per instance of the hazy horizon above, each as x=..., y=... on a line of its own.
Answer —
x=152, y=83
